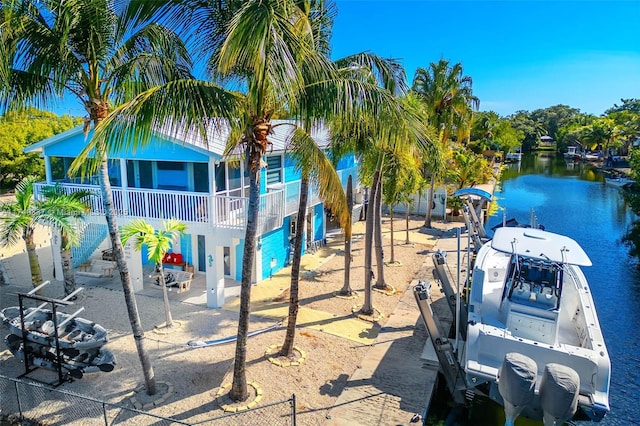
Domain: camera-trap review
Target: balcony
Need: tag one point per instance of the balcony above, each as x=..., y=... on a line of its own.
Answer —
x=190, y=207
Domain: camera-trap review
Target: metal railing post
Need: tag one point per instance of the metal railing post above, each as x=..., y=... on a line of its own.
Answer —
x=293, y=409
x=15, y=385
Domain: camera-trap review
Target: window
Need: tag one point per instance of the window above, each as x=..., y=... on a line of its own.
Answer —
x=170, y=165
x=200, y=177
x=221, y=177
x=172, y=176
x=274, y=169
x=59, y=167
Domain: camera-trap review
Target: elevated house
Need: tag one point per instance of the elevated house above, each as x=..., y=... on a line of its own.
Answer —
x=181, y=176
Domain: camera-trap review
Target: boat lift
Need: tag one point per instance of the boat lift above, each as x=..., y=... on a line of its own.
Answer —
x=54, y=304
x=444, y=349
x=441, y=275
x=447, y=351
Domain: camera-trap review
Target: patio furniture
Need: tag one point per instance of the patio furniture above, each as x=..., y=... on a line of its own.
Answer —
x=97, y=268
x=179, y=279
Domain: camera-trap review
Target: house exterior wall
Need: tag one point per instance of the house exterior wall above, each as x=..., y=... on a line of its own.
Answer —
x=239, y=256
x=149, y=184
x=273, y=248
x=291, y=172
x=318, y=222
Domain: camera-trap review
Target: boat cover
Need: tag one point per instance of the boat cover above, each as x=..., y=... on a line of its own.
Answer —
x=559, y=390
x=517, y=379
x=539, y=244
x=473, y=191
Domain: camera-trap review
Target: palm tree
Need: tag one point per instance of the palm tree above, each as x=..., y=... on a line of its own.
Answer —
x=348, y=234
x=370, y=137
x=401, y=180
x=315, y=167
x=102, y=54
x=448, y=97
x=18, y=220
x=269, y=47
x=73, y=205
x=158, y=243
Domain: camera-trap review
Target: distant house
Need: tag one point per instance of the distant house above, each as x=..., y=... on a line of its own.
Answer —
x=546, y=143
x=180, y=176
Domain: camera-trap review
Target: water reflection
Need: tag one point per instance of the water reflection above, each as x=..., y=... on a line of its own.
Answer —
x=551, y=164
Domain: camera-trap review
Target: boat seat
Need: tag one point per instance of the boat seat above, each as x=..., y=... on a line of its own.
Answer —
x=546, y=297
x=521, y=292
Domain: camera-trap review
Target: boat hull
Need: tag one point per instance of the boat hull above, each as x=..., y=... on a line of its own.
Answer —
x=77, y=333
x=74, y=363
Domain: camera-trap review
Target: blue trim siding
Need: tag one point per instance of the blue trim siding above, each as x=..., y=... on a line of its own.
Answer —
x=239, y=257
x=273, y=245
x=346, y=162
x=186, y=248
x=159, y=149
x=144, y=252
x=318, y=219
x=291, y=172
x=263, y=181
x=68, y=147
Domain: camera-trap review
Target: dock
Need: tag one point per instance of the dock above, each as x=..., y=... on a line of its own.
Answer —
x=397, y=379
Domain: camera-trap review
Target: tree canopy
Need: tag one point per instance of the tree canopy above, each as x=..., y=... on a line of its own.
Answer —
x=21, y=129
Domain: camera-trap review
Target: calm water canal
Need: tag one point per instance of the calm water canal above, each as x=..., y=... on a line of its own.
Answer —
x=573, y=200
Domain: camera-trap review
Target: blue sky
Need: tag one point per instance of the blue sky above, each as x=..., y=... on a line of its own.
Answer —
x=521, y=55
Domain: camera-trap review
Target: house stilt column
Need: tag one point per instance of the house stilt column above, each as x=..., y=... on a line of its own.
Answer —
x=134, y=265
x=215, y=275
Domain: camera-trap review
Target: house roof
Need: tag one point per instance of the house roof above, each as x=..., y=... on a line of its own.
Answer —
x=217, y=133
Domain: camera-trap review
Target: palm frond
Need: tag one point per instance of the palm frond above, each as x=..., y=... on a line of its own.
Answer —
x=313, y=162
x=180, y=108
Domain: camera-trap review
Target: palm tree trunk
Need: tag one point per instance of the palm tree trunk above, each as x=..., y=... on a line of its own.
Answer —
x=125, y=278
x=427, y=218
x=165, y=296
x=393, y=257
x=348, y=228
x=294, y=302
x=406, y=217
x=380, y=283
x=34, y=265
x=367, y=307
x=239, y=386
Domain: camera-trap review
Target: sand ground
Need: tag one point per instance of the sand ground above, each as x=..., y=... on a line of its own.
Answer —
x=333, y=341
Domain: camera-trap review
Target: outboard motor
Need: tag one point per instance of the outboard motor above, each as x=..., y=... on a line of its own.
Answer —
x=559, y=389
x=516, y=383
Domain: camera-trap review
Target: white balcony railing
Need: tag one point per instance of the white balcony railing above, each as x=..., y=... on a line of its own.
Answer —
x=216, y=210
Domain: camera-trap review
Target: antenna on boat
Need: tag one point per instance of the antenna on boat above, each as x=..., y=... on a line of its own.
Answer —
x=514, y=243
x=457, y=319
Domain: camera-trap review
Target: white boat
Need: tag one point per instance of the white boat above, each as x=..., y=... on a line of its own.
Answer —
x=513, y=156
x=533, y=341
x=572, y=154
x=619, y=182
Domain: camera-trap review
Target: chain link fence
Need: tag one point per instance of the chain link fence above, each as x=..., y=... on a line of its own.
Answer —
x=23, y=402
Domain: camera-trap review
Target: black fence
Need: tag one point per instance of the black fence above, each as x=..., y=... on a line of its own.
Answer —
x=23, y=402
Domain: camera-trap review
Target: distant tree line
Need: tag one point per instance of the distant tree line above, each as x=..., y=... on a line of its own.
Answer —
x=616, y=129
x=19, y=130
